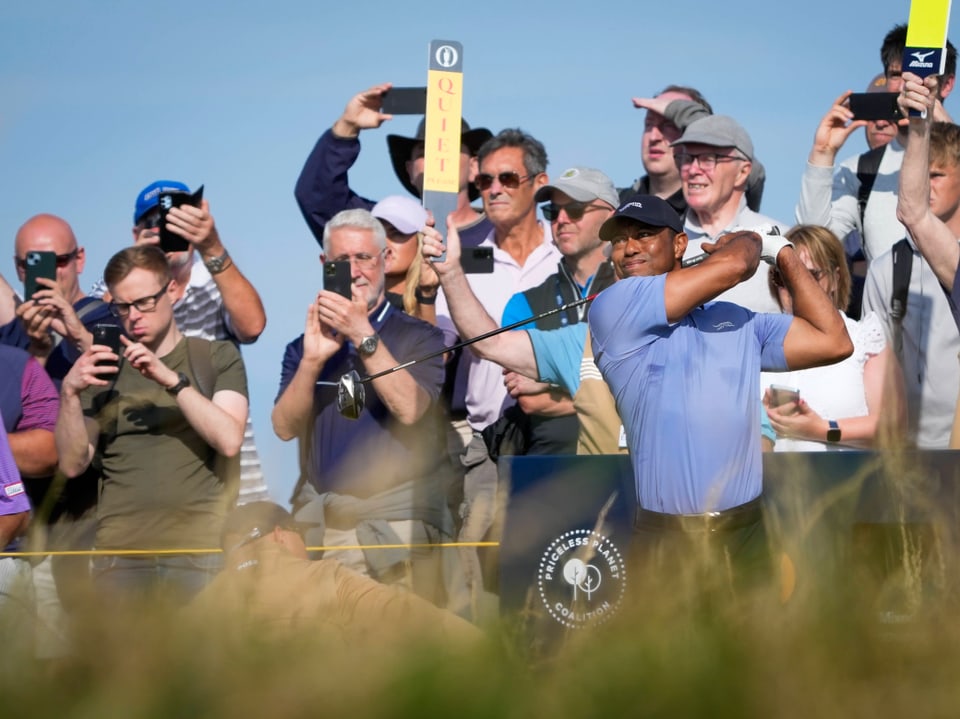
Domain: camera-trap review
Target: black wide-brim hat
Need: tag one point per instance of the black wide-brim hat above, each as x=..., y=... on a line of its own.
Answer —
x=401, y=147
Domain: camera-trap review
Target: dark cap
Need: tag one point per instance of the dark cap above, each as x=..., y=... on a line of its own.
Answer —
x=648, y=209
x=400, y=148
x=256, y=519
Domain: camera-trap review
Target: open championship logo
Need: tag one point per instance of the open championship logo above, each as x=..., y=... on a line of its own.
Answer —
x=581, y=578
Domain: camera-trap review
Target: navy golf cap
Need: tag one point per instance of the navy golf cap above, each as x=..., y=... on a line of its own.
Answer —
x=648, y=209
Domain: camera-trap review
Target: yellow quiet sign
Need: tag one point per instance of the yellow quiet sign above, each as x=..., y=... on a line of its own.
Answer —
x=927, y=37
x=441, y=172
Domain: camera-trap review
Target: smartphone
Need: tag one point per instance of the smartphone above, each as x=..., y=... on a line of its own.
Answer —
x=108, y=335
x=875, y=106
x=337, y=277
x=404, y=101
x=169, y=241
x=477, y=260
x=38, y=264
x=781, y=395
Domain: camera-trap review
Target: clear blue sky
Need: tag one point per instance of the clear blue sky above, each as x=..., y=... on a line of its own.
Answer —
x=99, y=98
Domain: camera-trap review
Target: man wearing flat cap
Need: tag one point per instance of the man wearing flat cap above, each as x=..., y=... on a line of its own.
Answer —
x=715, y=157
x=683, y=372
x=323, y=188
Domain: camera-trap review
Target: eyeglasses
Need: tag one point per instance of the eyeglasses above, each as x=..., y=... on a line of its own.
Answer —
x=574, y=210
x=818, y=274
x=62, y=260
x=707, y=160
x=144, y=304
x=510, y=180
x=362, y=260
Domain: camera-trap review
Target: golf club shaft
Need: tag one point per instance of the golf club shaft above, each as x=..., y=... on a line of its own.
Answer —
x=480, y=338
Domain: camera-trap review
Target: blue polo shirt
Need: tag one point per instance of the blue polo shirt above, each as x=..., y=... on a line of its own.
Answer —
x=687, y=393
x=364, y=456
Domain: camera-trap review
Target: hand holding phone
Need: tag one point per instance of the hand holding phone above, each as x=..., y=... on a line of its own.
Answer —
x=170, y=241
x=781, y=395
x=338, y=277
x=38, y=264
x=875, y=106
x=109, y=336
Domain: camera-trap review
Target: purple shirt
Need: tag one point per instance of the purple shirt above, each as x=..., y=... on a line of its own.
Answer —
x=13, y=497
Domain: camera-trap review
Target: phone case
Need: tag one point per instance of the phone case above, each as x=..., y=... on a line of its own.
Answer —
x=404, y=101
x=38, y=264
x=337, y=277
x=875, y=106
x=169, y=241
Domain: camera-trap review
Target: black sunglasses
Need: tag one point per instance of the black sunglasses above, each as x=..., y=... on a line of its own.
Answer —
x=510, y=180
x=575, y=210
x=62, y=260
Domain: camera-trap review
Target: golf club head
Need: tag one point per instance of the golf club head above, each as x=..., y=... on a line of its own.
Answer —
x=350, y=395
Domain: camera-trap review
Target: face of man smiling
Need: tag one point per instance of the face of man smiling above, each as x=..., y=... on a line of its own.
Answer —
x=638, y=250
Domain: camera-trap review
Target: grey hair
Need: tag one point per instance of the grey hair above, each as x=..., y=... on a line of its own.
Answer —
x=361, y=219
x=534, y=153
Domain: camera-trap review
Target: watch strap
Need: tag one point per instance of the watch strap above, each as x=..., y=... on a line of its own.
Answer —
x=216, y=265
x=833, y=431
x=182, y=383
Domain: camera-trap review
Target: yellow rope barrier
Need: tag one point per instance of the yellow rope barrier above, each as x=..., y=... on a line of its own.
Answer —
x=160, y=552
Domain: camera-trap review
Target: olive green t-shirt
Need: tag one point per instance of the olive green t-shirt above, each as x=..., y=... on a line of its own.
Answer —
x=158, y=487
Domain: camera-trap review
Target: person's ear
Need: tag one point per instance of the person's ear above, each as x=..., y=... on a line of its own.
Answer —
x=680, y=241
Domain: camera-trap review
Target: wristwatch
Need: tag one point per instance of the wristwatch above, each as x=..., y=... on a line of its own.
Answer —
x=182, y=383
x=368, y=345
x=216, y=265
x=833, y=433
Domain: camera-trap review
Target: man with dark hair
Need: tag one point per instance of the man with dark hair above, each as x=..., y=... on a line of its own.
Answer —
x=513, y=169
x=323, y=188
x=683, y=371
x=831, y=196
x=158, y=437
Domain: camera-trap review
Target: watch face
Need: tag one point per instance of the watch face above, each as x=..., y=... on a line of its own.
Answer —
x=369, y=345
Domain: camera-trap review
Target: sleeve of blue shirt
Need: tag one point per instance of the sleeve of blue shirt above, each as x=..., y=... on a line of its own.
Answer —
x=323, y=189
x=291, y=361
x=766, y=429
x=558, y=354
x=518, y=308
x=771, y=330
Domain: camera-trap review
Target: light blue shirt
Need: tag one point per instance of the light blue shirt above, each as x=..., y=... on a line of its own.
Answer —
x=687, y=393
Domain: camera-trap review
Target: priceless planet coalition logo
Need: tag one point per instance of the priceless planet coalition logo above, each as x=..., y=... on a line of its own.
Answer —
x=581, y=578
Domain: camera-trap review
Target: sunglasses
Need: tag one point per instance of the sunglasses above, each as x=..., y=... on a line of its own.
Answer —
x=575, y=210
x=62, y=260
x=510, y=180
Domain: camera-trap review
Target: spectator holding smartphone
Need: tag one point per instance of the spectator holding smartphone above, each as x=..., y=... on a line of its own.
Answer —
x=842, y=405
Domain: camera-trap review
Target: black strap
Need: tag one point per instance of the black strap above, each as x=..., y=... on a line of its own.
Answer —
x=868, y=164
x=902, y=266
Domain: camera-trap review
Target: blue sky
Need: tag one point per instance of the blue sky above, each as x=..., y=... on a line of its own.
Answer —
x=97, y=99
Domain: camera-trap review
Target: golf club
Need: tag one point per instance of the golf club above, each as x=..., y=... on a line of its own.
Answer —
x=350, y=390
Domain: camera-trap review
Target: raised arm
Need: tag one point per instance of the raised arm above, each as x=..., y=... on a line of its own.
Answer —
x=733, y=259
x=935, y=240
x=508, y=349
x=817, y=334
x=322, y=189
x=241, y=301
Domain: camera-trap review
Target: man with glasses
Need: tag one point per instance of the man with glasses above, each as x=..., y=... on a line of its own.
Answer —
x=513, y=168
x=578, y=203
x=379, y=478
x=158, y=437
x=213, y=299
x=715, y=156
x=55, y=326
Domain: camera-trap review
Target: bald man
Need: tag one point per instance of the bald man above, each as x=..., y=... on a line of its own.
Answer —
x=54, y=326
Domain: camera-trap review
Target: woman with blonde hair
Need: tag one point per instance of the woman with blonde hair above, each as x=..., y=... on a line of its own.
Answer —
x=843, y=405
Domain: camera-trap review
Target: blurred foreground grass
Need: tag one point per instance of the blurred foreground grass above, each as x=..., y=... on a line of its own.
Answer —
x=863, y=623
